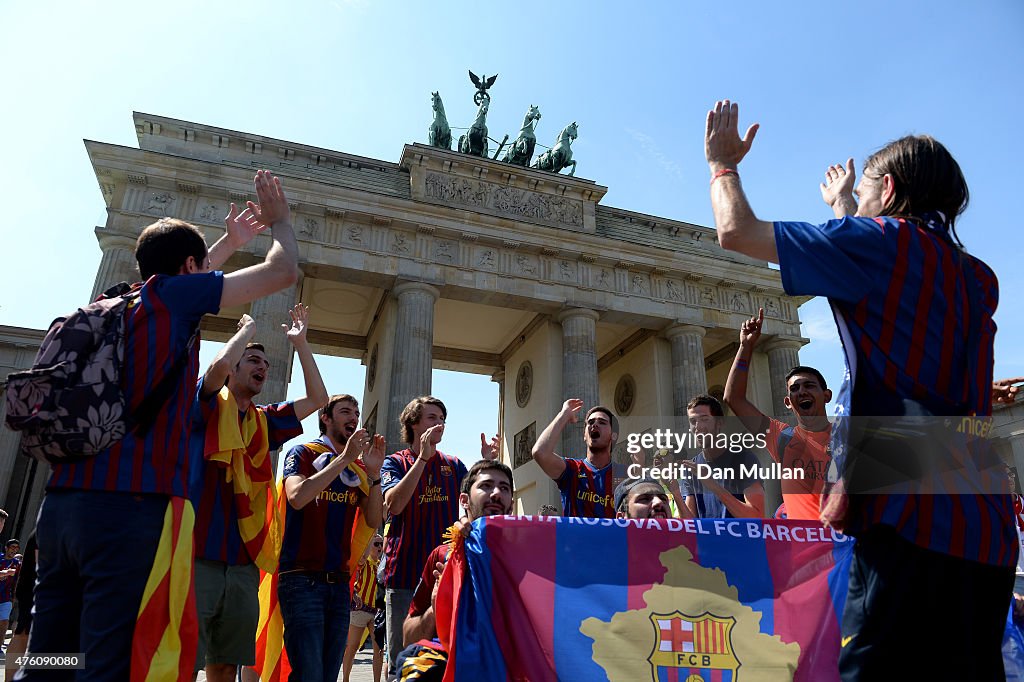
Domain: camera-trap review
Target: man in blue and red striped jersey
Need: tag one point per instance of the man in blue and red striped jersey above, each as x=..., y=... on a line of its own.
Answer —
x=238, y=485
x=914, y=312
x=487, y=490
x=421, y=499
x=326, y=482
x=587, y=485
x=91, y=576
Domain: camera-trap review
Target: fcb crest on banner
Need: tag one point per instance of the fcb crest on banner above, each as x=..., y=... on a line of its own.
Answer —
x=692, y=648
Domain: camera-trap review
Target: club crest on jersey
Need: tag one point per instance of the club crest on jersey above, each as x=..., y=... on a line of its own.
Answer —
x=446, y=470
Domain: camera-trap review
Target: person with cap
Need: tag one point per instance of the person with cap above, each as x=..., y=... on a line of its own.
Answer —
x=643, y=498
x=586, y=484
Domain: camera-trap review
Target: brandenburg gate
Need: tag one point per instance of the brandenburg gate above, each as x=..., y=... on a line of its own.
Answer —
x=452, y=261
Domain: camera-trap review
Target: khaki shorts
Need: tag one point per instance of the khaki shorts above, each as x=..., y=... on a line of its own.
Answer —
x=228, y=606
x=359, y=619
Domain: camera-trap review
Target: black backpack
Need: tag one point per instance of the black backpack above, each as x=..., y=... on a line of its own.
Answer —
x=71, y=405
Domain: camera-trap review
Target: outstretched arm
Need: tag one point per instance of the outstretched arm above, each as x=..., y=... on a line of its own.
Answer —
x=229, y=356
x=738, y=227
x=736, y=385
x=279, y=269
x=544, y=449
x=837, y=190
x=316, y=393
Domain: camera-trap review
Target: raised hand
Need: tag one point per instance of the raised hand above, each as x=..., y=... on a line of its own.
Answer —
x=490, y=450
x=837, y=190
x=1005, y=390
x=750, y=332
x=571, y=408
x=722, y=144
x=429, y=440
x=242, y=226
x=373, y=458
x=358, y=443
x=245, y=322
x=273, y=205
x=296, y=333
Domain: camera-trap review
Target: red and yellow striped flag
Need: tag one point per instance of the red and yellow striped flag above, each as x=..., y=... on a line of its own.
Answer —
x=166, y=630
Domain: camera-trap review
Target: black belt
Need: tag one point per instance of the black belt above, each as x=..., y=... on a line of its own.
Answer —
x=329, y=577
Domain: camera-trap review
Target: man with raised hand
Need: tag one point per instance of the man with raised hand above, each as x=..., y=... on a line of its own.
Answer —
x=487, y=490
x=421, y=499
x=587, y=485
x=801, y=448
x=717, y=483
x=232, y=439
x=326, y=481
x=914, y=311
x=89, y=589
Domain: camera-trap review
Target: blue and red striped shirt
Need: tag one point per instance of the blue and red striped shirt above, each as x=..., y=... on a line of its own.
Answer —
x=216, y=532
x=7, y=584
x=318, y=537
x=432, y=509
x=158, y=327
x=905, y=313
x=586, y=490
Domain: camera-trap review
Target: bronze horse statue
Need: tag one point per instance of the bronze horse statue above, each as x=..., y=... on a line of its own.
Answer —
x=439, y=134
x=474, y=142
x=559, y=156
x=521, y=150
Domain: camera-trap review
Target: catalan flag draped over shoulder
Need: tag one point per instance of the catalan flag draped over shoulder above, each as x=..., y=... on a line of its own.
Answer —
x=242, y=447
x=591, y=599
x=166, y=629
x=271, y=658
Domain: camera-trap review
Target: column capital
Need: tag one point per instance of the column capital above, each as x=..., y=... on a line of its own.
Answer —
x=680, y=329
x=783, y=343
x=409, y=285
x=566, y=313
x=115, y=241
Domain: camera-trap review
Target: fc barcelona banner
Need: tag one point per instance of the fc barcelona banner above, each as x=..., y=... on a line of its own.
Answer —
x=721, y=600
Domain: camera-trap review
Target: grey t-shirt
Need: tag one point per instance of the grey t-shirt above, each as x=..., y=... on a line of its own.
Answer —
x=728, y=473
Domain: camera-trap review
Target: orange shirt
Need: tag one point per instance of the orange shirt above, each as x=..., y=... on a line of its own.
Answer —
x=801, y=450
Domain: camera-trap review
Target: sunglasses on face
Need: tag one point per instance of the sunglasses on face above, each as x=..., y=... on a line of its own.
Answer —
x=378, y=544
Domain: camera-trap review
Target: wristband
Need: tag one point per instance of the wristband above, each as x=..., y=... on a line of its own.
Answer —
x=374, y=482
x=742, y=365
x=724, y=171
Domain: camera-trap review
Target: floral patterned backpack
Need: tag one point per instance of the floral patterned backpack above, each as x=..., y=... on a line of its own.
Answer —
x=71, y=405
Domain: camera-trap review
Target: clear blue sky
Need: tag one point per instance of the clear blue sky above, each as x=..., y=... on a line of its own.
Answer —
x=825, y=80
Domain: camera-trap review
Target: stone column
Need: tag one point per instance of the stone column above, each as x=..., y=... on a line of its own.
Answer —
x=118, y=263
x=269, y=313
x=413, y=355
x=689, y=377
x=579, y=371
x=783, y=355
x=505, y=455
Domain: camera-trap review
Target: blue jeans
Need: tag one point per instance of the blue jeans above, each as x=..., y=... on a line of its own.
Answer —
x=96, y=550
x=315, y=617
x=396, y=605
